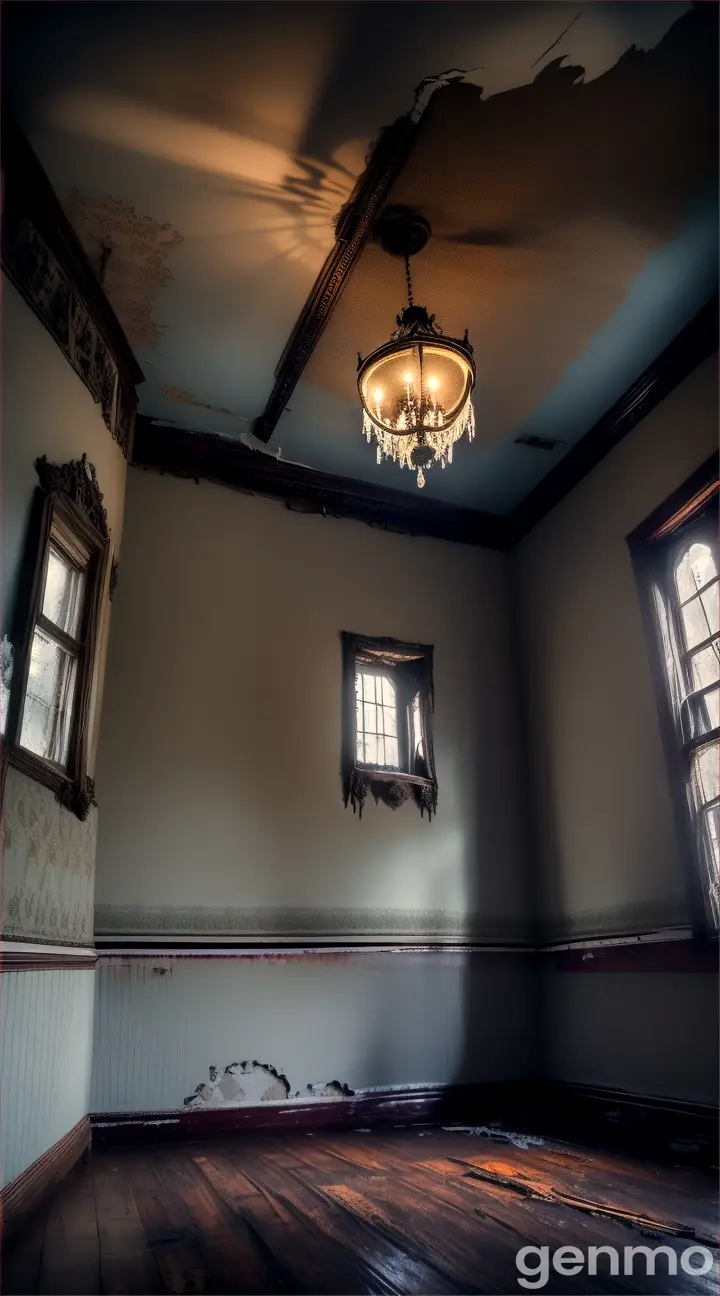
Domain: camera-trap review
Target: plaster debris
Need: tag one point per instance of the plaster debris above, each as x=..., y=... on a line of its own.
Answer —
x=330, y=1089
x=254, y=1082
x=491, y=1132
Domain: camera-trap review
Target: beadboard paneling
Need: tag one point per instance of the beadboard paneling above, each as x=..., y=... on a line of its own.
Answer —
x=364, y=1019
x=45, y=1057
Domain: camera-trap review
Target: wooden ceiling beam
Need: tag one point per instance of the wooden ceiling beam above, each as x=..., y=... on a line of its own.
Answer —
x=352, y=229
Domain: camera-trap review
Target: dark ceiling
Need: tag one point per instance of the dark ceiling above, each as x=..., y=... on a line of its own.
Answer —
x=570, y=179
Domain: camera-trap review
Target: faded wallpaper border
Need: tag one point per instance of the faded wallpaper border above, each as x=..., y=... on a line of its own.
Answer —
x=633, y=919
x=259, y=923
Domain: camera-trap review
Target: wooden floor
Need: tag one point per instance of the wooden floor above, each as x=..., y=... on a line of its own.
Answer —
x=401, y=1210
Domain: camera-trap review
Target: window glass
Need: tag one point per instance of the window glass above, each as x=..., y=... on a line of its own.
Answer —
x=376, y=720
x=696, y=567
x=62, y=596
x=418, y=745
x=47, y=712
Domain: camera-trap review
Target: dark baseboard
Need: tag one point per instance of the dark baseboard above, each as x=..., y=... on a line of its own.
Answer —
x=663, y=1129
x=431, y=1103
x=20, y=1197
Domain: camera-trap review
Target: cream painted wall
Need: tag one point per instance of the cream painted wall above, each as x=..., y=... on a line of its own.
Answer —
x=219, y=763
x=607, y=857
x=49, y=856
x=45, y=1055
x=650, y=1033
x=47, y=410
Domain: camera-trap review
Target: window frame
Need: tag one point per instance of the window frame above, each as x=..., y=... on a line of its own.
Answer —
x=67, y=503
x=656, y=547
x=410, y=668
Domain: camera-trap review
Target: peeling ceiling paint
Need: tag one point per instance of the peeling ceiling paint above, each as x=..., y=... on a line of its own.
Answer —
x=228, y=136
x=129, y=253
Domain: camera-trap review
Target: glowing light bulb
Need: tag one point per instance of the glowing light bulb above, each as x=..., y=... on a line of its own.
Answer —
x=408, y=377
x=433, y=383
x=378, y=394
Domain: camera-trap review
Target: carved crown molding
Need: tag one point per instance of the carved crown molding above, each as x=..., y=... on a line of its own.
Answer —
x=78, y=480
x=43, y=258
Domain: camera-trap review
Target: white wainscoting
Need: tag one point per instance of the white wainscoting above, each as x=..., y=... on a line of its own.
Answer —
x=366, y=1019
x=45, y=1058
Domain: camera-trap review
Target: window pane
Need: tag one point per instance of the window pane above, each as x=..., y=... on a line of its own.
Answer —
x=694, y=570
x=370, y=749
x=376, y=720
x=712, y=704
x=62, y=596
x=418, y=749
x=706, y=774
x=706, y=666
x=711, y=824
x=48, y=702
x=701, y=616
x=701, y=714
x=389, y=721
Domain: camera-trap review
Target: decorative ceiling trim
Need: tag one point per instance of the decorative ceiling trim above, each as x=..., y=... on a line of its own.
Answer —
x=218, y=459
x=352, y=230
x=697, y=341
x=44, y=259
x=197, y=455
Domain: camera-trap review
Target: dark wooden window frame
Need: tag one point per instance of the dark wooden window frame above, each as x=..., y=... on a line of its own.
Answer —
x=68, y=498
x=655, y=548
x=410, y=666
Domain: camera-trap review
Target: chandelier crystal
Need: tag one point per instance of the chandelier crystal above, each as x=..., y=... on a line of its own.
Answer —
x=416, y=391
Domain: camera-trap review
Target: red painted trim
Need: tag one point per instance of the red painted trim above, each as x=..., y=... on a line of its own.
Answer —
x=29, y=961
x=327, y=953
x=27, y=1190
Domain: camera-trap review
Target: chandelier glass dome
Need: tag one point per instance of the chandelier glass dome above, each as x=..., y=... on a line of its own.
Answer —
x=416, y=389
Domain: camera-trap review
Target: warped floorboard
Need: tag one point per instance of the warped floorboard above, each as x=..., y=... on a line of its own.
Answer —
x=394, y=1211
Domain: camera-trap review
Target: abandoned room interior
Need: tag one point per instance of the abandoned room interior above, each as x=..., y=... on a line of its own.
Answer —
x=360, y=654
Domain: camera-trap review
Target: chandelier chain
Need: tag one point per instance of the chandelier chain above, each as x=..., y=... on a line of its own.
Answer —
x=409, y=280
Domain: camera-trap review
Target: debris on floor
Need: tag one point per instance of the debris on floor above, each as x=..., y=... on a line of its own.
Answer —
x=491, y=1132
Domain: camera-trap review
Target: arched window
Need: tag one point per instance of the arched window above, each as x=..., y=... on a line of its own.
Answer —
x=376, y=720
x=698, y=615
x=676, y=560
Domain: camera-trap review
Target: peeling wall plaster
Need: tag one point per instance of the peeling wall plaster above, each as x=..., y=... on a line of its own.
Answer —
x=243, y=1084
x=134, y=270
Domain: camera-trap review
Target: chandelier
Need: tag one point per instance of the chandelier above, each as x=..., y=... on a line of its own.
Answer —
x=416, y=389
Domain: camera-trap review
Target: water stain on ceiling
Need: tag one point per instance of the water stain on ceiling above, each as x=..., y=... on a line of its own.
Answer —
x=129, y=254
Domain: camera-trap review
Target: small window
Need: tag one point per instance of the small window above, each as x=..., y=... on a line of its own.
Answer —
x=676, y=561
x=57, y=627
x=387, y=705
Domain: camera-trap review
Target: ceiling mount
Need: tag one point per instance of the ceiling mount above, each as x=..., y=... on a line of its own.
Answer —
x=402, y=232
